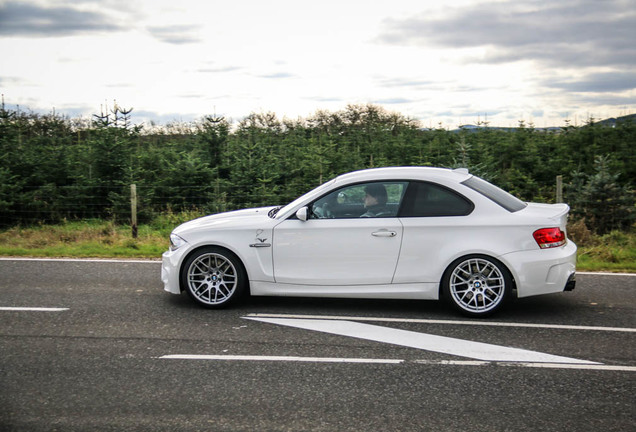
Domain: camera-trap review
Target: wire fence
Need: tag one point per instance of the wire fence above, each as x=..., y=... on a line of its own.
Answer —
x=50, y=204
x=37, y=205
x=42, y=205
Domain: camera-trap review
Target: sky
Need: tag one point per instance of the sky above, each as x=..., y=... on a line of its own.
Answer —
x=445, y=63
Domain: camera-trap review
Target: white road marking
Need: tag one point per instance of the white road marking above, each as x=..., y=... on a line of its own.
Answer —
x=428, y=342
x=456, y=322
x=602, y=367
x=97, y=260
x=342, y=360
x=279, y=358
x=33, y=309
x=605, y=274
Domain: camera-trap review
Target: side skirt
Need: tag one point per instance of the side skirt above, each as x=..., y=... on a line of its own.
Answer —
x=417, y=291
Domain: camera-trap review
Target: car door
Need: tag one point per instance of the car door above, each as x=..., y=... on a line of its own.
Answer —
x=338, y=245
x=437, y=226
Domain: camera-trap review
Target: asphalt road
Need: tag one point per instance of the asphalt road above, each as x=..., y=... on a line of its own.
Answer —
x=116, y=356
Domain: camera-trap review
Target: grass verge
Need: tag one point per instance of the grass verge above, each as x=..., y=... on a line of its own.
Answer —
x=614, y=252
x=87, y=239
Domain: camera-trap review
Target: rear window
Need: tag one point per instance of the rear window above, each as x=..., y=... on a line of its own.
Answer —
x=492, y=192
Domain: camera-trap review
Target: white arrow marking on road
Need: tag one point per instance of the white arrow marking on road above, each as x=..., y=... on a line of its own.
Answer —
x=292, y=359
x=441, y=344
x=453, y=322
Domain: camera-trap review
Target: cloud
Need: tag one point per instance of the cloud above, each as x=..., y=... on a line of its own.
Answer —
x=403, y=82
x=610, y=82
x=477, y=115
x=222, y=69
x=564, y=33
x=143, y=116
x=393, y=101
x=320, y=99
x=11, y=81
x=277, y=75
x=607, y=100
x=175, y=34
x=30, y=20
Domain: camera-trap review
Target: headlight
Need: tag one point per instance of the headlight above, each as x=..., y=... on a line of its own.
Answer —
x=176, y=242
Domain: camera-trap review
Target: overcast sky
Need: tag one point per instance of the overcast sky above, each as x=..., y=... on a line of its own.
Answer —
x=454, y=62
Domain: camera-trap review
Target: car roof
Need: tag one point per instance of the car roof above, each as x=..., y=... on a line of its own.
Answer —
x=406, y=173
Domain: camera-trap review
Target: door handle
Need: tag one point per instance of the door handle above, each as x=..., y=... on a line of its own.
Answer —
x=384, y=233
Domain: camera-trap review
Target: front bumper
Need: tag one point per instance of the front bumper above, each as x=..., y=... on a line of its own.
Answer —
x=170, y=262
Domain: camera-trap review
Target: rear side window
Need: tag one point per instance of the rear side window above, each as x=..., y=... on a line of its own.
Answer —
x=430, y=200
x=492, y=192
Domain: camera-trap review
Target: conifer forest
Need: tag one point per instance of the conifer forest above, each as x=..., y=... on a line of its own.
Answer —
x=54, y=168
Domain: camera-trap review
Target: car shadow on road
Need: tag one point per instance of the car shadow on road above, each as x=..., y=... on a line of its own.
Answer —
x=348, y=307
x=556, y=307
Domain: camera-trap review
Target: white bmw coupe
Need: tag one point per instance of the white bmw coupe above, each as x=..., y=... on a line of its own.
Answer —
x=393, y=233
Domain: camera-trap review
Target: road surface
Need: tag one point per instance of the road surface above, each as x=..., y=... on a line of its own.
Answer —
x=90, y=345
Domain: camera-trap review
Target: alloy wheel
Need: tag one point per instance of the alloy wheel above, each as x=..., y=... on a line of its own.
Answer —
x=212, y=279
x=477, y=285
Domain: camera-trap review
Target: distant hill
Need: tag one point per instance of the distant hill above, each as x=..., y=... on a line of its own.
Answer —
x=607, y=122
x=614, y=121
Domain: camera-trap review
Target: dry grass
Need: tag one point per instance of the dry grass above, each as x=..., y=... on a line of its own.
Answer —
x=82, y=239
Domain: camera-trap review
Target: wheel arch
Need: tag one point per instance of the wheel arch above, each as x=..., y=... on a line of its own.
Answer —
x=199, y=247
x=460, y=258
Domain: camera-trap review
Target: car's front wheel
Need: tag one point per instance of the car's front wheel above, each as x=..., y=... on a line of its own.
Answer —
x=213, y=277
x=477, y=285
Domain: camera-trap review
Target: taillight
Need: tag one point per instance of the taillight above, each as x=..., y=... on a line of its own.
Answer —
x=549, y=237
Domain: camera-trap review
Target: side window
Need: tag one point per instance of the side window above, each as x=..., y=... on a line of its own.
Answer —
x=429, y=200
x=376, y=199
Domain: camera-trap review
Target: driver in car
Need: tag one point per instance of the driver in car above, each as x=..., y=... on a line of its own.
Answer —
x=375, y=201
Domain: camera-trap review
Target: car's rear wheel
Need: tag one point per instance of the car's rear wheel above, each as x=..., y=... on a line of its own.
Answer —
x=213, y=277
x=477, y=285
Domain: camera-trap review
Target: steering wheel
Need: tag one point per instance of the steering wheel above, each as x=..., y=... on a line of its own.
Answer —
x=323, y=212
x=327, y=212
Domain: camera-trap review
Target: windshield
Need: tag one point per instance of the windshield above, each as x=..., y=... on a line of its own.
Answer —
x=283, y=211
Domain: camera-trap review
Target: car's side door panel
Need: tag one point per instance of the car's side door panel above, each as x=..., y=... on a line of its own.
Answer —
x=357, y=251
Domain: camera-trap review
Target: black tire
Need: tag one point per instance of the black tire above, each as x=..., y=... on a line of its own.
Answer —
x=477, y=285
x=214, y=277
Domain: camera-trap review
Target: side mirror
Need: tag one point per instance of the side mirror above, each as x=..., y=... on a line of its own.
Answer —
x=303, y=214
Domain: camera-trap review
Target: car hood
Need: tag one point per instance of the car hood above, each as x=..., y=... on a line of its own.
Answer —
x=237, y=218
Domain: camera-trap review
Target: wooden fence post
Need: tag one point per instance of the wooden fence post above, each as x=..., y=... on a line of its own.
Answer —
x=133, y=209
x=559, y=189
